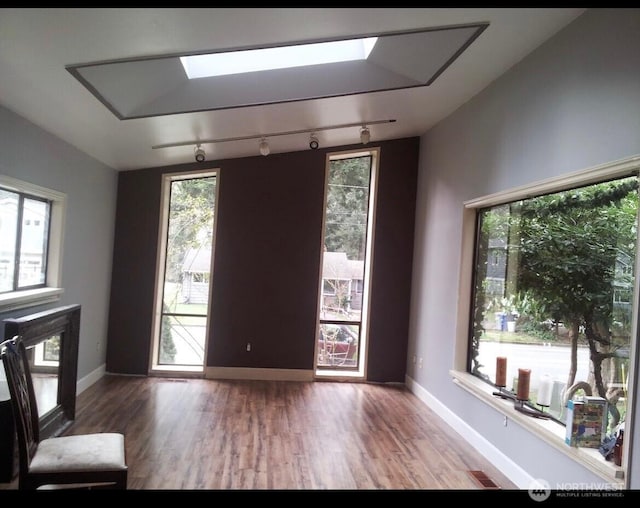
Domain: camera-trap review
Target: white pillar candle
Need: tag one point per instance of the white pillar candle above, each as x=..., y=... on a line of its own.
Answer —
x=544, y=390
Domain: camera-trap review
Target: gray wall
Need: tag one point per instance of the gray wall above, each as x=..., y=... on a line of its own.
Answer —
x=572, y=104
x=35, y=156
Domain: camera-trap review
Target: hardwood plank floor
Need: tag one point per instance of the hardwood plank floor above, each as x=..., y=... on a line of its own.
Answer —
x=213, y=434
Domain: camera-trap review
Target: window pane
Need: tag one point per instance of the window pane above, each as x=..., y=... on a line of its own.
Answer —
x=8, y=231
x=554, y=291
x=345, y=238
x=189, y=245
x=33, y=243
x=338, y=345
x=186, y=277
x=343, y=264
x=182, y=340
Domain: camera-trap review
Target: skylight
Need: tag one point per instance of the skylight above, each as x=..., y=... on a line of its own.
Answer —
x=165, y=85
x=237, y=62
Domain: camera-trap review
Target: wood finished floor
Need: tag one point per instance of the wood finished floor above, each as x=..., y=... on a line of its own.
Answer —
x=212, y=434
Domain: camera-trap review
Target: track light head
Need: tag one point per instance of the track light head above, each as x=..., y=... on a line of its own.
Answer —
x=199, y=154
x=313, y=142
x=365, y=135
x=264, y=147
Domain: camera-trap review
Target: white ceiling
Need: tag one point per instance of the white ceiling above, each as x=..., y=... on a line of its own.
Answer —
x=36, y=45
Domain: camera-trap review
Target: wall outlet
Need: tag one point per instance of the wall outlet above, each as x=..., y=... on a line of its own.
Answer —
x=506, y=420
x=420, y=363
x=248, y=346
x=414, y=359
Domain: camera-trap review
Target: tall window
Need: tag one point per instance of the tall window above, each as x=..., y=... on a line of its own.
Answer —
x=554, y=291
x=182, y=296
x=24, y=230
x=346, y=253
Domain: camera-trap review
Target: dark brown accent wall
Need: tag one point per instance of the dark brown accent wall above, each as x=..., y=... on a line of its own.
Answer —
x=392, y=262
x=265, y=275
x=133, y=272
x=266, y=265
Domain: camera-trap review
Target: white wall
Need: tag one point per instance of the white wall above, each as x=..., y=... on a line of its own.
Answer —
x=572, y=104
x=33, y=155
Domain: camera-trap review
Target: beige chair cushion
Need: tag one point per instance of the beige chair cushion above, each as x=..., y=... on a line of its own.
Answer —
x=88, y=452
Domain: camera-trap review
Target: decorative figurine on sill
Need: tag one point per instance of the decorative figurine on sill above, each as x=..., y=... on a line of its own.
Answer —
x=611, y=447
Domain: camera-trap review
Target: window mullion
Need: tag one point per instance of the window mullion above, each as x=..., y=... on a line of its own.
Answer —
x=16, y=260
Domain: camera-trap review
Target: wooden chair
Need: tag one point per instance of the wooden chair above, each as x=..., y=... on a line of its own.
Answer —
x=79, y=461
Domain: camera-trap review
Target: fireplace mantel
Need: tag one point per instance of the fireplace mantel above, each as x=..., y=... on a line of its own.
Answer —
x=34, y=330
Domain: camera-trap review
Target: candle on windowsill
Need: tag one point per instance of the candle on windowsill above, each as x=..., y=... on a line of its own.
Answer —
x=501, y=371
x=524, y=378
x=544, y=391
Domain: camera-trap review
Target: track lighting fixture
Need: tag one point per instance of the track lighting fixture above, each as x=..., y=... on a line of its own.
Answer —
x=264, y=147
x=199, y=154
x=314, y=144
x=365, y=135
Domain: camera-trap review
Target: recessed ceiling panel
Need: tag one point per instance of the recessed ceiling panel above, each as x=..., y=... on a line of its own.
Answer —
x=139, y=88
x=124, y=86
x=272, y=87
x=421, y=56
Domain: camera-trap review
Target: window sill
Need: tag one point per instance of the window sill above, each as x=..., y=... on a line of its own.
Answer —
x=29, y=298
x=338, y=374
x=547, y=430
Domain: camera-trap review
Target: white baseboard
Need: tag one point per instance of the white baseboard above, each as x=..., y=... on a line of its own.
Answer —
x=219, y=373
x=89, y=379
x=510, y=469
x=258, y=374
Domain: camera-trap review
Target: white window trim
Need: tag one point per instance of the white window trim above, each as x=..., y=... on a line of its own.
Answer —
x=53, y=291
x=361, y=372
x=161, y=251
x=549, y=431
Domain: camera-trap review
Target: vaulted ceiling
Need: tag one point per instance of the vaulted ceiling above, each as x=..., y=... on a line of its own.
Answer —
x=125, y=112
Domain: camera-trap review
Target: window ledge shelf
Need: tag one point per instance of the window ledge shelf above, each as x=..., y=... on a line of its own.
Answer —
x=29, y=298
x=548, y=430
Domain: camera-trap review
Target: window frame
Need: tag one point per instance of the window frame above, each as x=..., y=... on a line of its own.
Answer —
x=155, y=368
x=51, y=290
x=547, y=430
x=360, y=371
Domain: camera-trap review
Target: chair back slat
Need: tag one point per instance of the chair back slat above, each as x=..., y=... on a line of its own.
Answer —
x=23, y=399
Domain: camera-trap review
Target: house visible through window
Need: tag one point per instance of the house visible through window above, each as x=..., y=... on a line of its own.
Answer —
x=553, y=292
x=24, y=229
